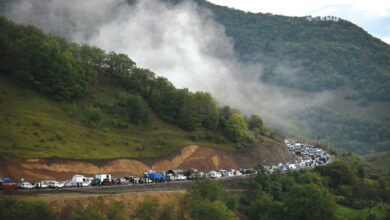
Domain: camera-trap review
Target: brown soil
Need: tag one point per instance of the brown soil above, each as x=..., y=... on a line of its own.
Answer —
x=201, y=158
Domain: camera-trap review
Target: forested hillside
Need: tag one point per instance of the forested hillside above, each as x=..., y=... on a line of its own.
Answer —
x=316, y=54
x=322, y=52
x=108, y=91
x=299, y=57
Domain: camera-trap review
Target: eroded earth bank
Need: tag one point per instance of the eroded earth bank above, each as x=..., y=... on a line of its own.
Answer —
x=201, y=158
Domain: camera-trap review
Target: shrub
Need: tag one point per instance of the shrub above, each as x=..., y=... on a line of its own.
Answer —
x=15, y=209
x=146, y=209
x=93, y=115
x=108, y=142
x=136, y=109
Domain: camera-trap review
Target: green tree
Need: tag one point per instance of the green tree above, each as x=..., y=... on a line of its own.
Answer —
x=120, y=68
x=310, y=201
x=136, y=109
x=236, y=127
x=147, y=209
x=265, y=208
x=206, y=189
x=15, y=209
x=168, y=211
x=206, y=210
x=199, y=110
x=337, y=173
x=92, y=213
x=255, y=123
x=308, y=177
x=224, y=114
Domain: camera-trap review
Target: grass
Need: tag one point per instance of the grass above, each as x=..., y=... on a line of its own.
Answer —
x=380, y=160
x=31, y=125
x=343, y=212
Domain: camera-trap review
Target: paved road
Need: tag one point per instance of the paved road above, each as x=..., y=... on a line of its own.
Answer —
x=230, y=183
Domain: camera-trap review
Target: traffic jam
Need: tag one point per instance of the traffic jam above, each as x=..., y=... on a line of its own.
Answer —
x=307, y=156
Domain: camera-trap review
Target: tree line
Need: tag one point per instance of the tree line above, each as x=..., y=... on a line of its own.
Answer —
x=66, y=71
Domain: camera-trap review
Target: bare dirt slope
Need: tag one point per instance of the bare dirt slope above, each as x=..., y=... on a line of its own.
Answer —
x=201, y=158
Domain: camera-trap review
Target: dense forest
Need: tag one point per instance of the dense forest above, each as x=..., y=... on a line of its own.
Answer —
x=340, y=190
x=66, y=71
x=322, y=52
x=347, y=132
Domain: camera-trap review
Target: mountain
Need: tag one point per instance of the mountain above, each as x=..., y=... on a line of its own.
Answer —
x=66, y=100
x=314, y=55
x=330, y=75
x=325, y=52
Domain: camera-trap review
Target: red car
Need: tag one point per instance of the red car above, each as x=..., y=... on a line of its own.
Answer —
x=8, y=185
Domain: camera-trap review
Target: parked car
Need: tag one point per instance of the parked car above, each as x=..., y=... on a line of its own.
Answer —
x=122, y=180
x=215, y=174
x=133, y=179
x=180, y=177
x=102, y=177
x=170, y=177
x=55, y=184
x=8, y=185
x=106, y=182
x=194, y=176
x=25, y=185
x=68, y=183
x=41, y=185
x=145, y=180
x=96, y=182
x=223, y=173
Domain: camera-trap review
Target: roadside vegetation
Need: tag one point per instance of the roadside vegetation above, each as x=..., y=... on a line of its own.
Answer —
x=68, y=100
x=344, y=189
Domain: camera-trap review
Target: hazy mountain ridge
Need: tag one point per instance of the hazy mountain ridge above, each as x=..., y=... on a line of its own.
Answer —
x=320, y=53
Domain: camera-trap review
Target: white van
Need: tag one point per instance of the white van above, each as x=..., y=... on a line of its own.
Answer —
x=215, y=174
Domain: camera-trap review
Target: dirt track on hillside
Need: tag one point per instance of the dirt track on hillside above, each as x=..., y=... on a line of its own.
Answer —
x=201, y=158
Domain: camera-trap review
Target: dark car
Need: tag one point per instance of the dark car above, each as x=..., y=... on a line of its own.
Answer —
x=8, y=185
x=106, y=182
x=96, y=182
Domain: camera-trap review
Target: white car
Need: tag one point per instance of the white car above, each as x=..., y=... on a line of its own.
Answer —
x=215, y=174
x=55, y=184
x=25, y=185
x=41, y=184
x=180, y=177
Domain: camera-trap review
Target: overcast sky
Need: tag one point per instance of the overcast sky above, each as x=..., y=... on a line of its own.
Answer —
x=371, y=15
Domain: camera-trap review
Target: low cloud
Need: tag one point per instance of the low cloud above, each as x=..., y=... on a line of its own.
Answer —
x=181, y=42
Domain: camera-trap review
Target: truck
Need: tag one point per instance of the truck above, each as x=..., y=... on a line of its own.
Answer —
x=156, y=176
x=102, y=179
x=80, y=180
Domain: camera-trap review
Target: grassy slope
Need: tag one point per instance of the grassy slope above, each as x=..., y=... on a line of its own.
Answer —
x=32, y=125
x=350, y=213
x=380, y=160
